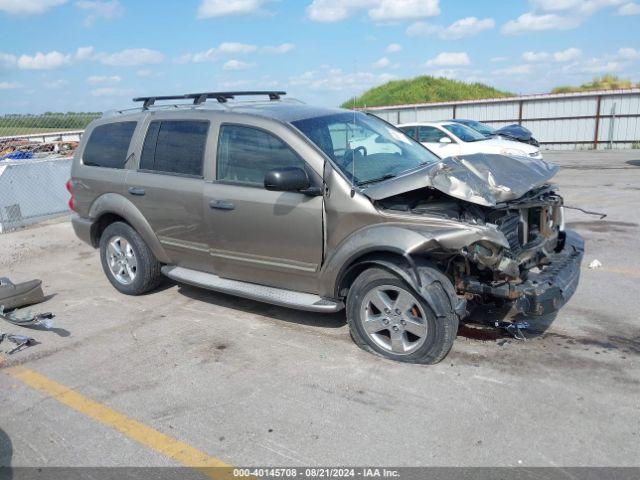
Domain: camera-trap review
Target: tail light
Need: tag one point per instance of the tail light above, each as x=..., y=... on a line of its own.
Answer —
x=72, y=205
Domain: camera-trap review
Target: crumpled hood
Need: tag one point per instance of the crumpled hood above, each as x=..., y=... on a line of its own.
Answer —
x=484, y=179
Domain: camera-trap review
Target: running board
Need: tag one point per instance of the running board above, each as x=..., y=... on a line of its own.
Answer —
x=261, y=293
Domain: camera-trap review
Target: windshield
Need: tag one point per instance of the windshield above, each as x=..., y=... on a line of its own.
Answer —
x=465, y=134
x=365, y=148
x=483, y=128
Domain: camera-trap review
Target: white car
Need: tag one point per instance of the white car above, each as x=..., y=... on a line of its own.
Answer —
x=447, y=139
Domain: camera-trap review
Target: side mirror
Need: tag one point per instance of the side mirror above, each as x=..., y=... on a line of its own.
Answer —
x=445, y=140
x=286, y=179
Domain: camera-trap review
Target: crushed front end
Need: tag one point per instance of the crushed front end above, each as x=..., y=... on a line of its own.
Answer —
x=523, y=255
x=539, y=271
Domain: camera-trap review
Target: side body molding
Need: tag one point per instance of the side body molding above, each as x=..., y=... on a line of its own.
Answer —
x=119, y=205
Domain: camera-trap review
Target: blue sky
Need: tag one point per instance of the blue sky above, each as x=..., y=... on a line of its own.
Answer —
x=95, y=55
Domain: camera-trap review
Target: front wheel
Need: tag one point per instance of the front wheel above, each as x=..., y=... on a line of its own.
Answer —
x=127, y=261
x=387, y=317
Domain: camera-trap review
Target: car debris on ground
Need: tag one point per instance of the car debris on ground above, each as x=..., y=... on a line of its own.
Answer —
x=14, y=296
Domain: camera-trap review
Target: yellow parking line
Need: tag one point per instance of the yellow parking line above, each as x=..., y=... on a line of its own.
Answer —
x=147, y=436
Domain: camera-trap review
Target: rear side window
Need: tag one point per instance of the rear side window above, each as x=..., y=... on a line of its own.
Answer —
x=175, y=146
x=246, y=154
x=108, y=145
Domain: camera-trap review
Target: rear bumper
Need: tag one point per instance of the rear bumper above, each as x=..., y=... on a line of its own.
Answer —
x=82, y=227
x=549, y=289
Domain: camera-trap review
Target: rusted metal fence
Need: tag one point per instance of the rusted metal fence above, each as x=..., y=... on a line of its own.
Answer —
x=598, y=119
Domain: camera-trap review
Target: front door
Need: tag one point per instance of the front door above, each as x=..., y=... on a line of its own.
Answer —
x=431, y=138
x=167, y=188
x=261, y=236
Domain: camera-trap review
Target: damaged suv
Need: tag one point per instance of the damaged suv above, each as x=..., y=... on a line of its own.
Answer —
x=320, y=209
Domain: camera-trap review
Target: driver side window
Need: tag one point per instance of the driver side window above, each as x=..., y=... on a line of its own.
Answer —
x=430, y=134
x=246, y=154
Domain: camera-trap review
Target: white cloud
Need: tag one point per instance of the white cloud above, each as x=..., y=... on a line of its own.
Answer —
x=394, y=10
x=465, y=27
x=84, y=53
x=43, y=61
x=514, y=70
x=233, y=48
x=393, y=48
x=111, y=92
x=28, y=7
x=9, y=85
x=556, y=15
x=450, y=59
x=107, y=10
x=7, y=60
x=422, y=29
x=223, y=8
x=54, y=84
x=630, y=8
x=279, y=49
x=381, y=11
x=498, y=59
x=236, y=65
x=96, y=79
x=628, y=54
x=531, y=22
x=130, y=57
x=335, y=80
x=567, y=55
x=144, y=73
x=383, y=62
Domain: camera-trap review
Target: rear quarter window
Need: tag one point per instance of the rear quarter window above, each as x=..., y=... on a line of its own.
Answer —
x=108, y=145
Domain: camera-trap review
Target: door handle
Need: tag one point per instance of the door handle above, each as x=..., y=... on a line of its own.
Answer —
x=221, y=205
x=138, y=191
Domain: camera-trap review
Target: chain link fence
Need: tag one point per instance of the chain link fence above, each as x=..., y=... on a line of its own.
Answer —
x=35, y=164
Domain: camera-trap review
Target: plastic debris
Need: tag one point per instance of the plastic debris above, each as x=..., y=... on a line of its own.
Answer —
x=595, y=264
x=43, y=320
x=516, y=330
x=21, y=341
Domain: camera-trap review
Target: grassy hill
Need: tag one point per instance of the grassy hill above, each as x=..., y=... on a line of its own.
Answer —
x=424, y=89
x=605, y=82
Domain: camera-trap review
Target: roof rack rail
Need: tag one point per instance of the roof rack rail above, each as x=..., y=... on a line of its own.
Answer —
x=199, y=98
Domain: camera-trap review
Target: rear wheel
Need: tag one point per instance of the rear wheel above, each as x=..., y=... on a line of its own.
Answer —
x=388, y=317
x=127, y=261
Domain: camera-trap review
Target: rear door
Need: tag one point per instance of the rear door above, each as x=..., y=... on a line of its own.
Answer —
x=167, y=187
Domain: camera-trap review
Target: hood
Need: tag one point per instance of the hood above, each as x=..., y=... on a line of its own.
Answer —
x=515, y=131
x=481, y=178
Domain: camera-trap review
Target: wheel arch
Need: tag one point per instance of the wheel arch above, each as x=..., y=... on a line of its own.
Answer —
x=112, y=207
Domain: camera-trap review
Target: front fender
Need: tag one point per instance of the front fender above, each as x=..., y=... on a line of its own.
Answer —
x=405, y=240
x=121, y=206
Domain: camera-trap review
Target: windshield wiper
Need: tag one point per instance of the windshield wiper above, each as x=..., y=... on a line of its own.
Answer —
x=386, y=176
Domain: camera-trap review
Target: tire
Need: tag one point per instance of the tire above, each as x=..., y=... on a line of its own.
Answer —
x=139, y=271
x=398, y=337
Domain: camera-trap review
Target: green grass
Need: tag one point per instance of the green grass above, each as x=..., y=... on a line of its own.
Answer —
x=605, y=82
x=424, y=89
x=18, y=124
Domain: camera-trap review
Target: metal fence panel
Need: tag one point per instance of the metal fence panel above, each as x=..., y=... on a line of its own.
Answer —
x=600, y=119
x=32, y=190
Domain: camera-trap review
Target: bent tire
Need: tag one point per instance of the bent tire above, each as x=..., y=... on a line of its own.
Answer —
x=127, y=261
x=386, y=316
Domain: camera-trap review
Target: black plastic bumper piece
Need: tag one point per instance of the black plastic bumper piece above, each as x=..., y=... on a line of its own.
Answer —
x=545, y=291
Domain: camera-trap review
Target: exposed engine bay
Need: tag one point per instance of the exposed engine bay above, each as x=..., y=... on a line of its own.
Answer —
x=532, y=226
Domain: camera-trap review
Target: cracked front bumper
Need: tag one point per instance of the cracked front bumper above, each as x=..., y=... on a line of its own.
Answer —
x=545, y=291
